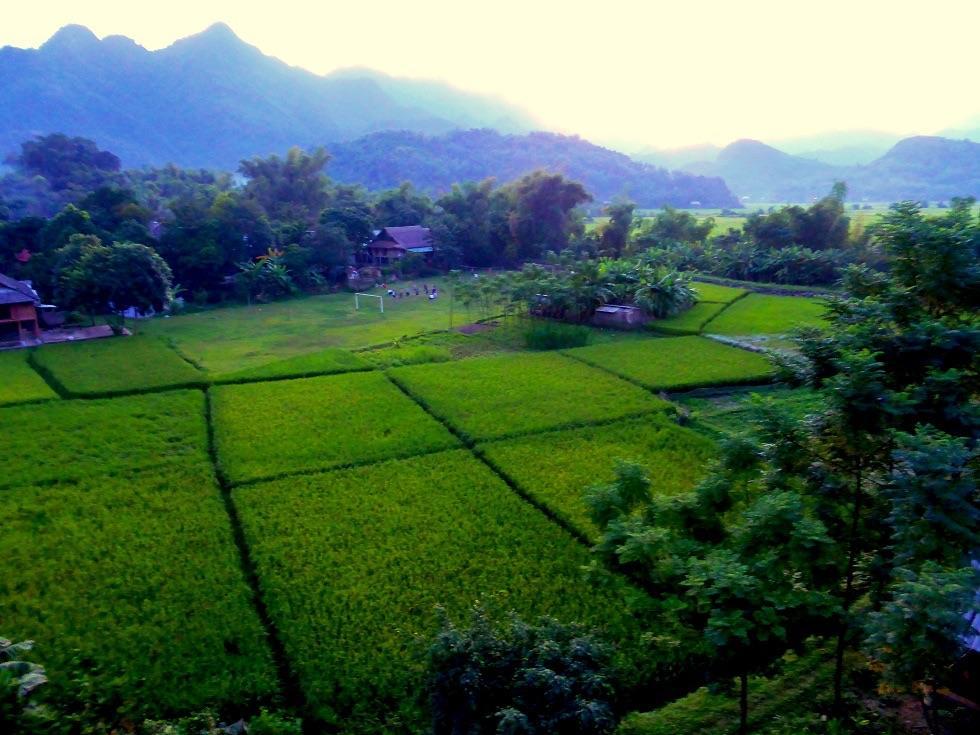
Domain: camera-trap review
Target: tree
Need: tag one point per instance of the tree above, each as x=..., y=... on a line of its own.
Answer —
x=402, y=207
x=290, y=189
x=674, y=226
x=519, y=678
x=614, y=235
x=66, y=162
x=541, y=217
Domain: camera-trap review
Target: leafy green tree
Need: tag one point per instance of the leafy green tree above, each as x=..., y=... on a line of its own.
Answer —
x=615, y=234
x=402, y=207
x=542, y=214
x=673, y=226
x=66, y=162
x=288, y=189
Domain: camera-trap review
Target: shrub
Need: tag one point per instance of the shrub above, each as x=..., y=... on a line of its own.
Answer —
x=73, y=440
x=19, y=383
x=116, y=366
x=325, y=362
x=678, y=363
x=549, y=335
x=497, y=397
x=265, y=430
x=353, y=563
x=555, y=468
x=766, y=314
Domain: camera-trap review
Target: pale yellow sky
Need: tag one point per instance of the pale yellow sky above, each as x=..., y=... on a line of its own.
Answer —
x=654, y=73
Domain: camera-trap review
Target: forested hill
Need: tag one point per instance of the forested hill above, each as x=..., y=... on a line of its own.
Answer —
x=434, y=163
x=921, y=167
x=211, y=99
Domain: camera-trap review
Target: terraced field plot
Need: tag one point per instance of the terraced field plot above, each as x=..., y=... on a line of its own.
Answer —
x=325, y=362
x=715, y=294
x=677, y=363
x=265, y=430
x=140, y=575
x=352, y=563
x=689, y=321
x=74, y=440
x=506, y=396
x=766, y=314
x=19, y=382
x=555, y=468
x=115, y=366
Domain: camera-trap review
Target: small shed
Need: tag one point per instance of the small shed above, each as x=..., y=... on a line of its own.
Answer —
x=18, y=310
x=394, y=243
x=619, y=316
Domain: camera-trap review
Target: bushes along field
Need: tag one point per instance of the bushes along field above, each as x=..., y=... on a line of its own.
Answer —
x=352, y=564
x=136, y=583
x=115, y=366
x=766, y=314
x=498, y=397
x=677, y=363
x=265, y=430
x=324, y=362
x=19, y=382
x=75, y=440
x=555, y=468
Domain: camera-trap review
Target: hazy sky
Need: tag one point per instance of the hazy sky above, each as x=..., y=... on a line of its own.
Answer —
x=655, y=73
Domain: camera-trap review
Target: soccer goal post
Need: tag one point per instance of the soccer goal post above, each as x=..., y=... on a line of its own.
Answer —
x=357, y=302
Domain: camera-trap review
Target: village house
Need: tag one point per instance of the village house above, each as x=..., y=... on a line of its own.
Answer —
x=18, y=310
x=394, y=243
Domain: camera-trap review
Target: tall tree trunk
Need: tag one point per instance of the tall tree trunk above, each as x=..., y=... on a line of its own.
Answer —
x=743, y=703
x=853, y=543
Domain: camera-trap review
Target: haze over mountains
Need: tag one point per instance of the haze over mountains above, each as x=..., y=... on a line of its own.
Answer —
x=211, y=99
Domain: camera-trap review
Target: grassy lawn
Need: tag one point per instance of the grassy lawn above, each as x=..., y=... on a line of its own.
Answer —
x=265, y=430
x=354, y=562
x=765, y=314
x=556, y=468
x=19, y=382
x=224, y=340
x=677, y=363
x=498, y=397
x=115, y=366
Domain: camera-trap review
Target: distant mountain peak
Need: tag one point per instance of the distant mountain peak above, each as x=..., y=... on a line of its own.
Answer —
x=220, y=31
x=71, y=37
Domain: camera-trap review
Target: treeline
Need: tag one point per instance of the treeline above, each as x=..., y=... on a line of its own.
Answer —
x=284, y=213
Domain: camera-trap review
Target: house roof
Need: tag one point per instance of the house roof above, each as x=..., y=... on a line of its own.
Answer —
x=414, y=237
x=13, y=291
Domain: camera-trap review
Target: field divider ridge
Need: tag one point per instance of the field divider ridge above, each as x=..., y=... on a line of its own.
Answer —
x=47, y=376
x=722, y=310
x=290, y=687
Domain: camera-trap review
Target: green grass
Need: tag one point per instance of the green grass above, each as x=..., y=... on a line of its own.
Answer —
x=732, y=413
x=265, y=430
x=498, y=397
x=73, y=440
x=785, y=704
x=19, y=382
x=228, y=339
x=135, y=582
x=324, y=362
x=766, y=314
x=689, y=321
x=715, y=294
x=409, y=354
x=115, y=366
x=677, y=363
x=555, y=468
x=353, y=563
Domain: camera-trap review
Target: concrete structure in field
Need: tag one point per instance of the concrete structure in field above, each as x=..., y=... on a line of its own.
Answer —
x=619, y=316
x=18, y=310
x=394, y=243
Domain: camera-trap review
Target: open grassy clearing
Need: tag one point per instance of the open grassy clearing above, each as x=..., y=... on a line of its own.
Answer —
x=766, y=314
x=19, y=382
x=352, y=564
x=497, y=397
x=677, y=363
x=115, y=366
x=140, y=579
x=75, y=440
x=555, y=468
x=689, y=321
x=228, y=339
x=265, y=430
x=325, y=362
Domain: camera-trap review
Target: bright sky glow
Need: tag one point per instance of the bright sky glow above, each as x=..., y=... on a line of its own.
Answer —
x=639, y=73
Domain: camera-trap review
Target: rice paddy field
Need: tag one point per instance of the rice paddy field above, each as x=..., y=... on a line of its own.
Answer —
x=245, y=507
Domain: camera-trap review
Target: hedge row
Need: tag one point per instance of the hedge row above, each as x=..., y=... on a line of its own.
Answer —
x=554, y=469
x=353, y=563
x=135, y=583
x=677, y=363
x=19, y=382
x=66, y=441
x=506, y=396
x=266, y=430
